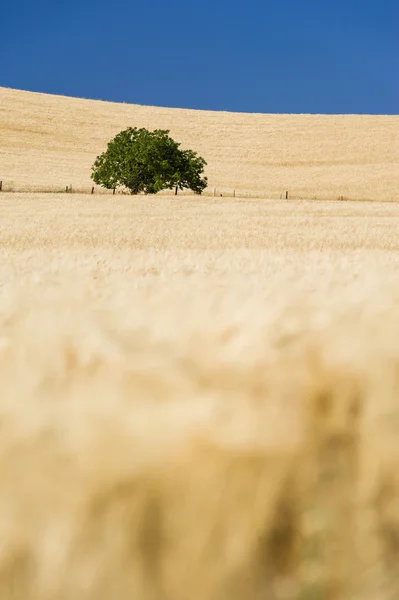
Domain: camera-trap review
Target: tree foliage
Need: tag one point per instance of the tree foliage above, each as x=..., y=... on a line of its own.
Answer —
x=148, y=161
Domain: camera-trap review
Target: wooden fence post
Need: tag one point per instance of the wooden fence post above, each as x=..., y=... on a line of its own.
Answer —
x=92, y=190
x=214, y=191
x=176, y=191
x=113, y=193
x=286, y=195
x=234, y=193
x=1, y=185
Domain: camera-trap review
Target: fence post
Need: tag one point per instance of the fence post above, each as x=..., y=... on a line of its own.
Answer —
x=113, y=193
x=286, y=195
x=1, y=185
x=176, y=191
x=214, y=191
x=92, y=190
x=234, y=193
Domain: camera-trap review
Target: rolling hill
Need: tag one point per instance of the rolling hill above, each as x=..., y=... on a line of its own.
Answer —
x=48, y=142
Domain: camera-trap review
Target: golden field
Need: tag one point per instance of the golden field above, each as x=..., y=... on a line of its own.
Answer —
x=198, y=398
x=48, y=142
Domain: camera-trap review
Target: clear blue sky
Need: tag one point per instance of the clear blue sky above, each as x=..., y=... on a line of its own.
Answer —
x=291, y=56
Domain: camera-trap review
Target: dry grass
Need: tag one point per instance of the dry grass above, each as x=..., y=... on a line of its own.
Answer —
x=198, y=399
x=49, y=142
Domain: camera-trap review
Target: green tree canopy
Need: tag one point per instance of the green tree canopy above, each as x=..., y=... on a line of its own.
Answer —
x=148, y=161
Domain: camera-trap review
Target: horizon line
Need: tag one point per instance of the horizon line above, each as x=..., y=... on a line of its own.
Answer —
x=222, y=111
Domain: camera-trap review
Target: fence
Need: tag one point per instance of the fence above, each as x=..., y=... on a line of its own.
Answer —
x=215, y=192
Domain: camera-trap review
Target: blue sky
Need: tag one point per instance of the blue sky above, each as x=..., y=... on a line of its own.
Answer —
x=278, y=56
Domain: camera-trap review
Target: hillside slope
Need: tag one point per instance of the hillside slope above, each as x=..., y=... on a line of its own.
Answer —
x=47, y=142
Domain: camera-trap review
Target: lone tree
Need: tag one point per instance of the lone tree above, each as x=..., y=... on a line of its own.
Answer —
x=148, y=161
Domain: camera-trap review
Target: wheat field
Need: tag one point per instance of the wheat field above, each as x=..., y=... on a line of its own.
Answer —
x=48, y=142
x=198, y=399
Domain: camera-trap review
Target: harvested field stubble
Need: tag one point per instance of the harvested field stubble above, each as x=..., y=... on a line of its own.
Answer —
x=198, y=399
